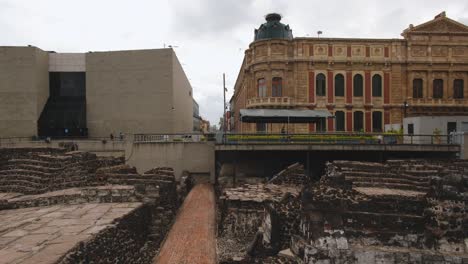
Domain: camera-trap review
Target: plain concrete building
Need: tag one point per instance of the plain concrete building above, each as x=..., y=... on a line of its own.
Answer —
x=92, y=94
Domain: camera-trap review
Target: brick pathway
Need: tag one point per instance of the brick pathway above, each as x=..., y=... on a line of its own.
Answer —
x=192, y=238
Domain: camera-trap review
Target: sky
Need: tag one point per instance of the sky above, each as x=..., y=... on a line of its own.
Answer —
x=208, y=36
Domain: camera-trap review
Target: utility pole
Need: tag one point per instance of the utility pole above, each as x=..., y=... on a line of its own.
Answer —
x=224, y=107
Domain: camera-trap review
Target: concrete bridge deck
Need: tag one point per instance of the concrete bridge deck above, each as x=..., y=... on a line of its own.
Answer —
x=192, y=238
x=339, y=147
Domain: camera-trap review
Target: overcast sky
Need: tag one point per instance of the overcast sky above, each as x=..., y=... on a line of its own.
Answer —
x=211, y=35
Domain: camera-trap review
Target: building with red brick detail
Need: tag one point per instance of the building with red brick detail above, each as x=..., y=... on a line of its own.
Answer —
x=365, y=84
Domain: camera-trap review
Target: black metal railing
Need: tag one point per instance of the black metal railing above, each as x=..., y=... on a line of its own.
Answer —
x=309, y=138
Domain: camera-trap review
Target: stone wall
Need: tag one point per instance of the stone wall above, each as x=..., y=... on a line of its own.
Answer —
x=126, y=242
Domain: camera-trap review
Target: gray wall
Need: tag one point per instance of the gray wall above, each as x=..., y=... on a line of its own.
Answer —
x=182, y=100
x=195, y=157
x=24, y=89
x=129, y=92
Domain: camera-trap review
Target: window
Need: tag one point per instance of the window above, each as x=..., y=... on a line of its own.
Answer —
x=438, y=88
x=277, y=87
x=340, y=120
x=358, y=85
x=376, y=121
x=376, y=85
x=358, y=118
x=417, y=88
x=458, y=89
x=262, y=91
x=261, y=127
x=410, y=129
x=339, y=85
x=321, y=125
x=320, y=84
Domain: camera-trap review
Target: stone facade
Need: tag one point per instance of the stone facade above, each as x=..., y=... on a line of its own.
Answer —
x=363, y=82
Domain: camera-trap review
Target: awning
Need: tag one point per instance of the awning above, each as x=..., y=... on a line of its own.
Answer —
x=282, y=115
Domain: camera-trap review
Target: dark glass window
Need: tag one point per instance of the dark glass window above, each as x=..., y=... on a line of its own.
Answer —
x=321, y=125
x=458, y=89
x=358, y=85
x=262, y=91
x=376, y=85
x=339, y=85
x=417, y=88
x=340, y=120
x=64, y=114
x=277, y=87
x=438, y=88
x=358, y=120
x=377, y=121
x=410, y=129
x=320, y=85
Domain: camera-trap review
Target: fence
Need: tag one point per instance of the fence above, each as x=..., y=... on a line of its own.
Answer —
x=311, y=138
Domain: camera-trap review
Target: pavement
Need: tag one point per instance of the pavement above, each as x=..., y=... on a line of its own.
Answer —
x=192, y=238
x=44, y=234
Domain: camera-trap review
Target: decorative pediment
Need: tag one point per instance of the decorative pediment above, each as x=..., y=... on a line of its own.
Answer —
x=440, y=24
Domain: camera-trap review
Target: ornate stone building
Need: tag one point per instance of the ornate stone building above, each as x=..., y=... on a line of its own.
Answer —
x=365, y=83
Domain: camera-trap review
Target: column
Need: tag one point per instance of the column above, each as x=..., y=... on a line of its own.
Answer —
x=311, y=87
x=349, y=121
x=330, y=87
x=349, y=87
x=367, y=87
x=368, y=121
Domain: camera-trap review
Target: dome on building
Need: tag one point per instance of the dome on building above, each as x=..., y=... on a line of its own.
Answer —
x=273, y=29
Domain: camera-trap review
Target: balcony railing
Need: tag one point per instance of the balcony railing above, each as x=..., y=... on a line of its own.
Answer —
x=437, y=102
x=279, y=102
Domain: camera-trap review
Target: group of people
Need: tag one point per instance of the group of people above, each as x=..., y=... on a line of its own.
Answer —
x=121, y=136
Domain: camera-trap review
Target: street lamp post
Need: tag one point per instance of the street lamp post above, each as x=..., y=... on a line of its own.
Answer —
x=405, y=106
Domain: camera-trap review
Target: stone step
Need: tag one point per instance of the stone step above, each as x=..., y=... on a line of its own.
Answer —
x=6, y=181
x=392, y=186
x=32, y=167
x=25, y=172
x=395, y=222
x=402, y=204
x=21, y=189
x=34, y=162
x=36, y=179
x=388, y=180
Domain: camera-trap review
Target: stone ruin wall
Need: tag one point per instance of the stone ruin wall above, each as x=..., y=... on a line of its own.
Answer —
x=44, y=177
x=400, y=211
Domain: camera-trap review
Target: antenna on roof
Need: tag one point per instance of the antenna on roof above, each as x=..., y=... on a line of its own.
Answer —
x=319, y=33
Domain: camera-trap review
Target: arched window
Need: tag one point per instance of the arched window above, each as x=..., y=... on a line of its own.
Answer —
x=358, y=120
x=358, y=85
x=261, y=85
x=377, y=85
x=340, y=120
x=417, y=88
x=376, y=121
x=320, y=84
x=339, y=85
x=277, y=87
x=458, y=87
x=438, y=88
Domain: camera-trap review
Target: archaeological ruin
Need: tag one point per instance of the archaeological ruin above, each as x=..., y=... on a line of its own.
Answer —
x=61, y=206
x=75, y=207
x=399, y=211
